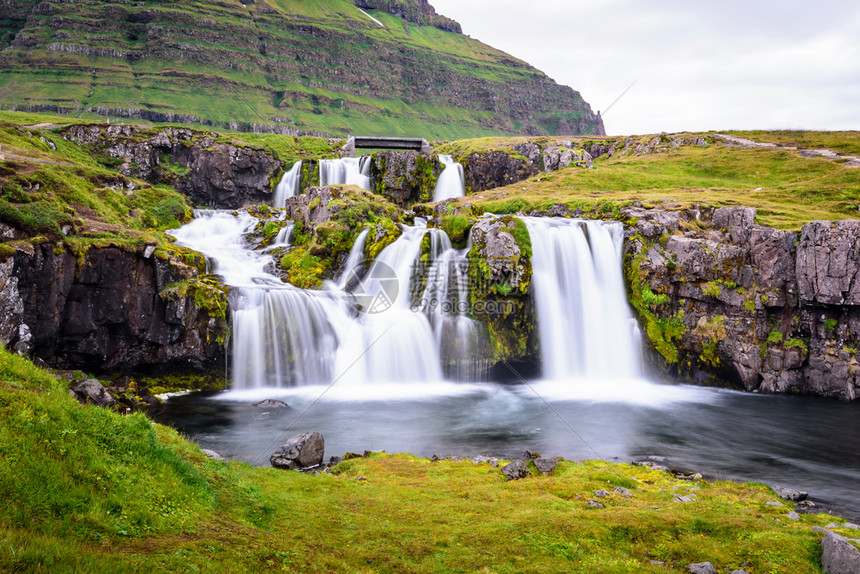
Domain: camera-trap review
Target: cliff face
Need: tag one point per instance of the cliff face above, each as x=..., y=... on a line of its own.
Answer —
x=202, y=166
x=287, y=66
x=767, y=310
x=112, y=310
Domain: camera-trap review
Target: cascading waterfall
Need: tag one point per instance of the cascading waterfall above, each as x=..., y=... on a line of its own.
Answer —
x=286, y=337
x=450, y=184
x=460, y=340
x=346, y=171
x=584, y=321
x=288, y=186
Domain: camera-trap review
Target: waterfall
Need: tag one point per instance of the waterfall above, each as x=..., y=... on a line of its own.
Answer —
x=288, y=186
x=346, y=171
x=584, y=321
x=450, y=184
x=287, y=337
x=461, y=341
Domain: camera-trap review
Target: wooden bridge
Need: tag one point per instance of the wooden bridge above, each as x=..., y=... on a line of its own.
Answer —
x=372, y=142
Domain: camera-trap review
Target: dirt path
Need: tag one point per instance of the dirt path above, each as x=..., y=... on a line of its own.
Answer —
x=849, y=160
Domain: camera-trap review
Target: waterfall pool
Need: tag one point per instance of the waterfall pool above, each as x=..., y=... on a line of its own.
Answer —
x=801, y=442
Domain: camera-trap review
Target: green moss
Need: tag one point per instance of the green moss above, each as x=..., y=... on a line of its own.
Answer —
x=711, y=289
x=305, y=270
x=383, y=232
x=662, y=333
x=774, y=338
x=749, y=306
x=830, y=326
x=799, y=343
x=457, y=227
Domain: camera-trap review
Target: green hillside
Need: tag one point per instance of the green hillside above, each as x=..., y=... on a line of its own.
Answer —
x=291, y=65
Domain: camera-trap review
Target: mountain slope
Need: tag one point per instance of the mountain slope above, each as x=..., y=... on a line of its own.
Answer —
x=276, y=65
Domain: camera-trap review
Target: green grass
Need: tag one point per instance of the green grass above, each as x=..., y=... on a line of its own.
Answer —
x=787, y=190
x=349, y=76
x=86, y=489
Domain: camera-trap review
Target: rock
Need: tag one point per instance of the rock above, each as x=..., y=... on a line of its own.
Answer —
x=516, y=470
x=92, y=392
x=492, y=461
x=805, y=505
x=689, y=476
x=601, y=493
x=530, y=455
x=838, y=555
x=545, y=465
x=773, y=503
x=494, y=169
x=620, y=490
x=701, y=568
x=405, y=177
x=652, y=465
x=684, y=499
x=828, y=262
x=790, y=493
x=594, y=504
x=740, y=572
x=272, y=404
x=851, y=525
x=301, y=451
x=793, y=516
x=211, y=454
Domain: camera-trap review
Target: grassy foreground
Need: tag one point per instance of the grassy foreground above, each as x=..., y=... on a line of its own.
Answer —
x=85, y=489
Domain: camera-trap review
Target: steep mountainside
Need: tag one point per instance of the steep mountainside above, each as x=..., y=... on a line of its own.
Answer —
x=292, y=66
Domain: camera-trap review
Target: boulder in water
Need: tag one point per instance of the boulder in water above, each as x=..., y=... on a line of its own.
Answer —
x=300, y=452
x=272, y=404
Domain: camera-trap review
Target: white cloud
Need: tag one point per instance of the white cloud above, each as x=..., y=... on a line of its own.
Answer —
x=756, y=64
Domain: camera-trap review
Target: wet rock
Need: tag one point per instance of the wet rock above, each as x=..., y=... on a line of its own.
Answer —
x=212, y=454
x=545, y=465
x=516, y=470
x=838, y=555
x=492, y=461
x=494, y=169
x=301, y=451
x=701, y=568
x=652, y=465
x=92, y=392
x=272, y=404
x=790, y=493
x=405, y=177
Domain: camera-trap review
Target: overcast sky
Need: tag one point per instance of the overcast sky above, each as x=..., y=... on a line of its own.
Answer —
x=754, y=64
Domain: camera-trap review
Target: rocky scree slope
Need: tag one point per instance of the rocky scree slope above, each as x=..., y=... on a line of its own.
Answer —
x=276, y=65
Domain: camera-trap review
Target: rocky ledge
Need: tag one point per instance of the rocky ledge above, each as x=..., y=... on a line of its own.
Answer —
x=723, y=299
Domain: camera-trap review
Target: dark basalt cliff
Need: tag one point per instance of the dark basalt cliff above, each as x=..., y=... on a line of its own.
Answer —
x=112, y=309
x=200, y=165
x=729, y=300
x=286, y=66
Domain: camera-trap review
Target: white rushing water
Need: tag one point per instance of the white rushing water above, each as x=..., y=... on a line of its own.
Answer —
x=450, y=184
x=585, y=325
x=346, y=171
x=416, y=330
x=288, y=186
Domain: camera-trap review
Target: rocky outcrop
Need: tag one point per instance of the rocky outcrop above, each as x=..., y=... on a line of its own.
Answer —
x=418, y=11
x=405, y=177
x=300, y=452
x=725, y=299
x=112, y=309
x=203, y=166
